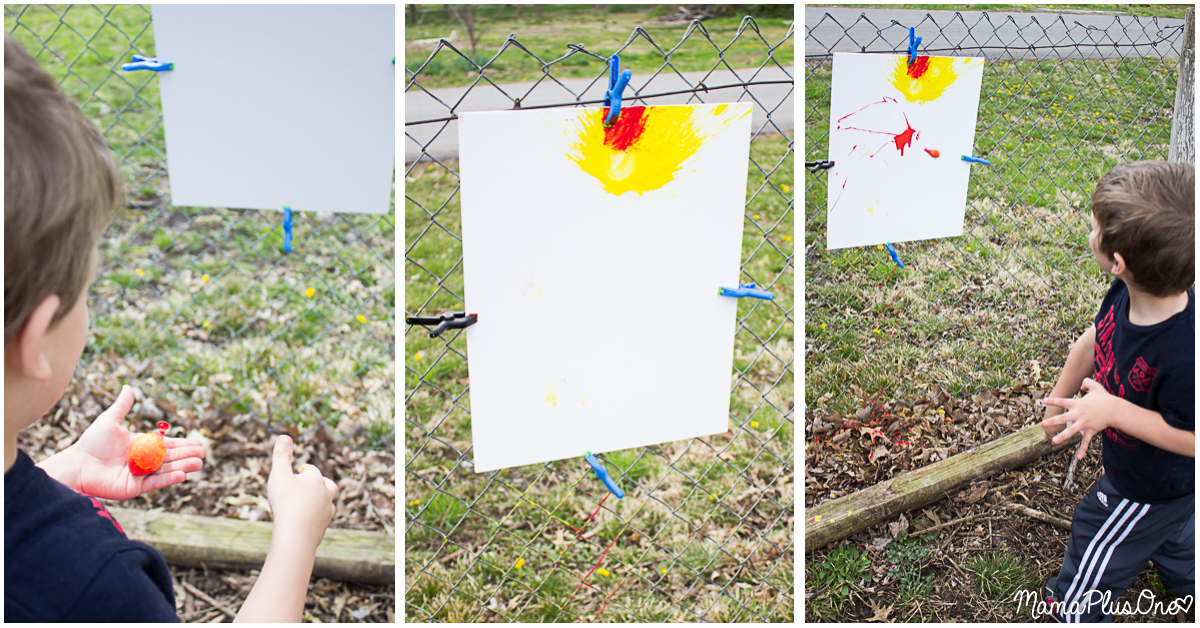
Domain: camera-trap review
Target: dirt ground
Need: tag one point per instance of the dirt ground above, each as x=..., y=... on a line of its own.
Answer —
x=984, y=525
x=233, y=484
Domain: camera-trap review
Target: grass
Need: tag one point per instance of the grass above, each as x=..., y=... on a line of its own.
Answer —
x=605, y=31
x=1145, y=10
x=840, y=575
x=692, y=539
x=225, y=321
x=1006, y=299
x=998, y=577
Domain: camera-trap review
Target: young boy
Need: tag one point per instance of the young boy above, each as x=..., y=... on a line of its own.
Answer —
x=65, y=558
x=1137, y=366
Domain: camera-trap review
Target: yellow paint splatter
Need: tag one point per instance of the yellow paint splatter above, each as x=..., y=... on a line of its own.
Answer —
x=552, y=394
x=647, y=146
x=924, y=80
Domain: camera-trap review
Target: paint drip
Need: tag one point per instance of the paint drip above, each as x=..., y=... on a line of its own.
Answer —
x=906, y=138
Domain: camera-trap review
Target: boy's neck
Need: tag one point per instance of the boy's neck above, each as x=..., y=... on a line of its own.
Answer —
x=1146, y=309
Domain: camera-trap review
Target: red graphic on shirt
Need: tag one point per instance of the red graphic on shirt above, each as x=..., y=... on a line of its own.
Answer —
x=1141, y=376
x=1120, y=438
x=103, y=512
x=1105, y=361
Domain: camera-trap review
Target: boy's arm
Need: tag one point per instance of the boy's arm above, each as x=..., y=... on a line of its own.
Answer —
x=279, y=593
x=1080, y=365
x=1098, y=410
x=301, y=507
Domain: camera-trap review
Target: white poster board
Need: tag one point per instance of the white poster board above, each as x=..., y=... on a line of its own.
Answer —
x=274, y=105
x=593, y=261
x=886, y=121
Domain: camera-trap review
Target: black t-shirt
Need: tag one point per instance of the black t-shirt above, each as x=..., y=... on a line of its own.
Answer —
x=67, y=560
x=1152, y=366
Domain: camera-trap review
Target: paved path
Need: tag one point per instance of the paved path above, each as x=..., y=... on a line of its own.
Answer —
x=442, y=137
x=999, y=34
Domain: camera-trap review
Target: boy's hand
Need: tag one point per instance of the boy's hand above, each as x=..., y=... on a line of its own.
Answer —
x=301, y=503
x=1090, y=415
x=97, y=464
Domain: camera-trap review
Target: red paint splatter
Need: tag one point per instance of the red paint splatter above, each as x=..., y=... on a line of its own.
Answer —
x=627, y=129
x=933, y=152
x=879, y=102
x=919, y=67
x=906, y=138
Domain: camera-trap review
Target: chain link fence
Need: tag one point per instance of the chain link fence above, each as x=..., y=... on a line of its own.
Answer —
x=705, y=532
x=198, y=307
x=1064, y=99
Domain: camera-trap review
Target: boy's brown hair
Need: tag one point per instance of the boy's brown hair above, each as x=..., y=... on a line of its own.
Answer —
x=61, y=188
x=1146, y=211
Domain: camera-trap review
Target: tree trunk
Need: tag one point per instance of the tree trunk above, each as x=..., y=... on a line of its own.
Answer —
x=446, y=12
x=839, y=518
x=220, y=543
x=1183, y=123
x=413, y=14
x=539, y=11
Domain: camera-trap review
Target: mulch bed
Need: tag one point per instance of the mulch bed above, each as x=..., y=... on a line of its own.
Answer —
x=233, y=484
x=889, y=439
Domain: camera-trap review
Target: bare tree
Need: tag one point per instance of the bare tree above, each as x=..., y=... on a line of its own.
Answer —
x=413, y=14
x=538, y=7
x=465, y=13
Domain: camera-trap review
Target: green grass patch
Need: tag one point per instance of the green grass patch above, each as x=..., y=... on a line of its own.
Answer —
x=605, y=30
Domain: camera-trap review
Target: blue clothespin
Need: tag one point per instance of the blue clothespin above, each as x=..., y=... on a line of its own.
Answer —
x=147, y=63
x=745, y=290
x=894, y=254
x=287, y=229
x=602, y=473
x=978, y=160
x=617, y=81
x=912, y=45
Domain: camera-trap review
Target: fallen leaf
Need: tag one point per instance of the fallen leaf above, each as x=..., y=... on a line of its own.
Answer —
x=881, y=613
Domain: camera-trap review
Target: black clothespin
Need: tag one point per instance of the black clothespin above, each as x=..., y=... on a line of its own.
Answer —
x=814, y=166
x=452, y=320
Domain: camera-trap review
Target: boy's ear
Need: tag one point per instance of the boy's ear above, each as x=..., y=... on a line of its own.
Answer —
x=1118, y=264
x=24, y=352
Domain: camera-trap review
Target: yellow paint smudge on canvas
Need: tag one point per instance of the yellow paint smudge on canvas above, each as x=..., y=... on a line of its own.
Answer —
x=929, y=85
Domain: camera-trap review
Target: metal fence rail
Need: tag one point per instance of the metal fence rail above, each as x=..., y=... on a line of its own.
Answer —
x=198, y=307
x=711, y=537
x=1062, y=102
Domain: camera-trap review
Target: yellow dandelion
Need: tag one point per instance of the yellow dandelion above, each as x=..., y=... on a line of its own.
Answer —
x=877, y=331
x=417, y=356
x=603, y=572
x=664, y=570
x=362, y=319
x=140, y=272
x=415, y=502
x=786, y=187
x=754, y=424
x=756, y=216
x=205, y=278
x=207, y=324
x=310, y=292
x=520, y=562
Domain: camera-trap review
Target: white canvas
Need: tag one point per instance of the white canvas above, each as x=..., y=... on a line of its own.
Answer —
x=274, y=105
x=876, y=194
x=600, y=327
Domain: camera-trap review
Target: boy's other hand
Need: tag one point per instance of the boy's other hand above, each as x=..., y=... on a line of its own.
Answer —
x=97, y=464
x=301, y=503
x=1089, y=415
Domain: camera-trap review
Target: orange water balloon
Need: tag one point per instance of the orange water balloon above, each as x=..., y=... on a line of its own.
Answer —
x=148, y=451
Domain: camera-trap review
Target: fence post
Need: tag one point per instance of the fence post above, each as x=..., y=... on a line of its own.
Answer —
x=1183, y=126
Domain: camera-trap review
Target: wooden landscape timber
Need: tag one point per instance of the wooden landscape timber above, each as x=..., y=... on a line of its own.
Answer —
x=221, y=543
x=838, y=518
